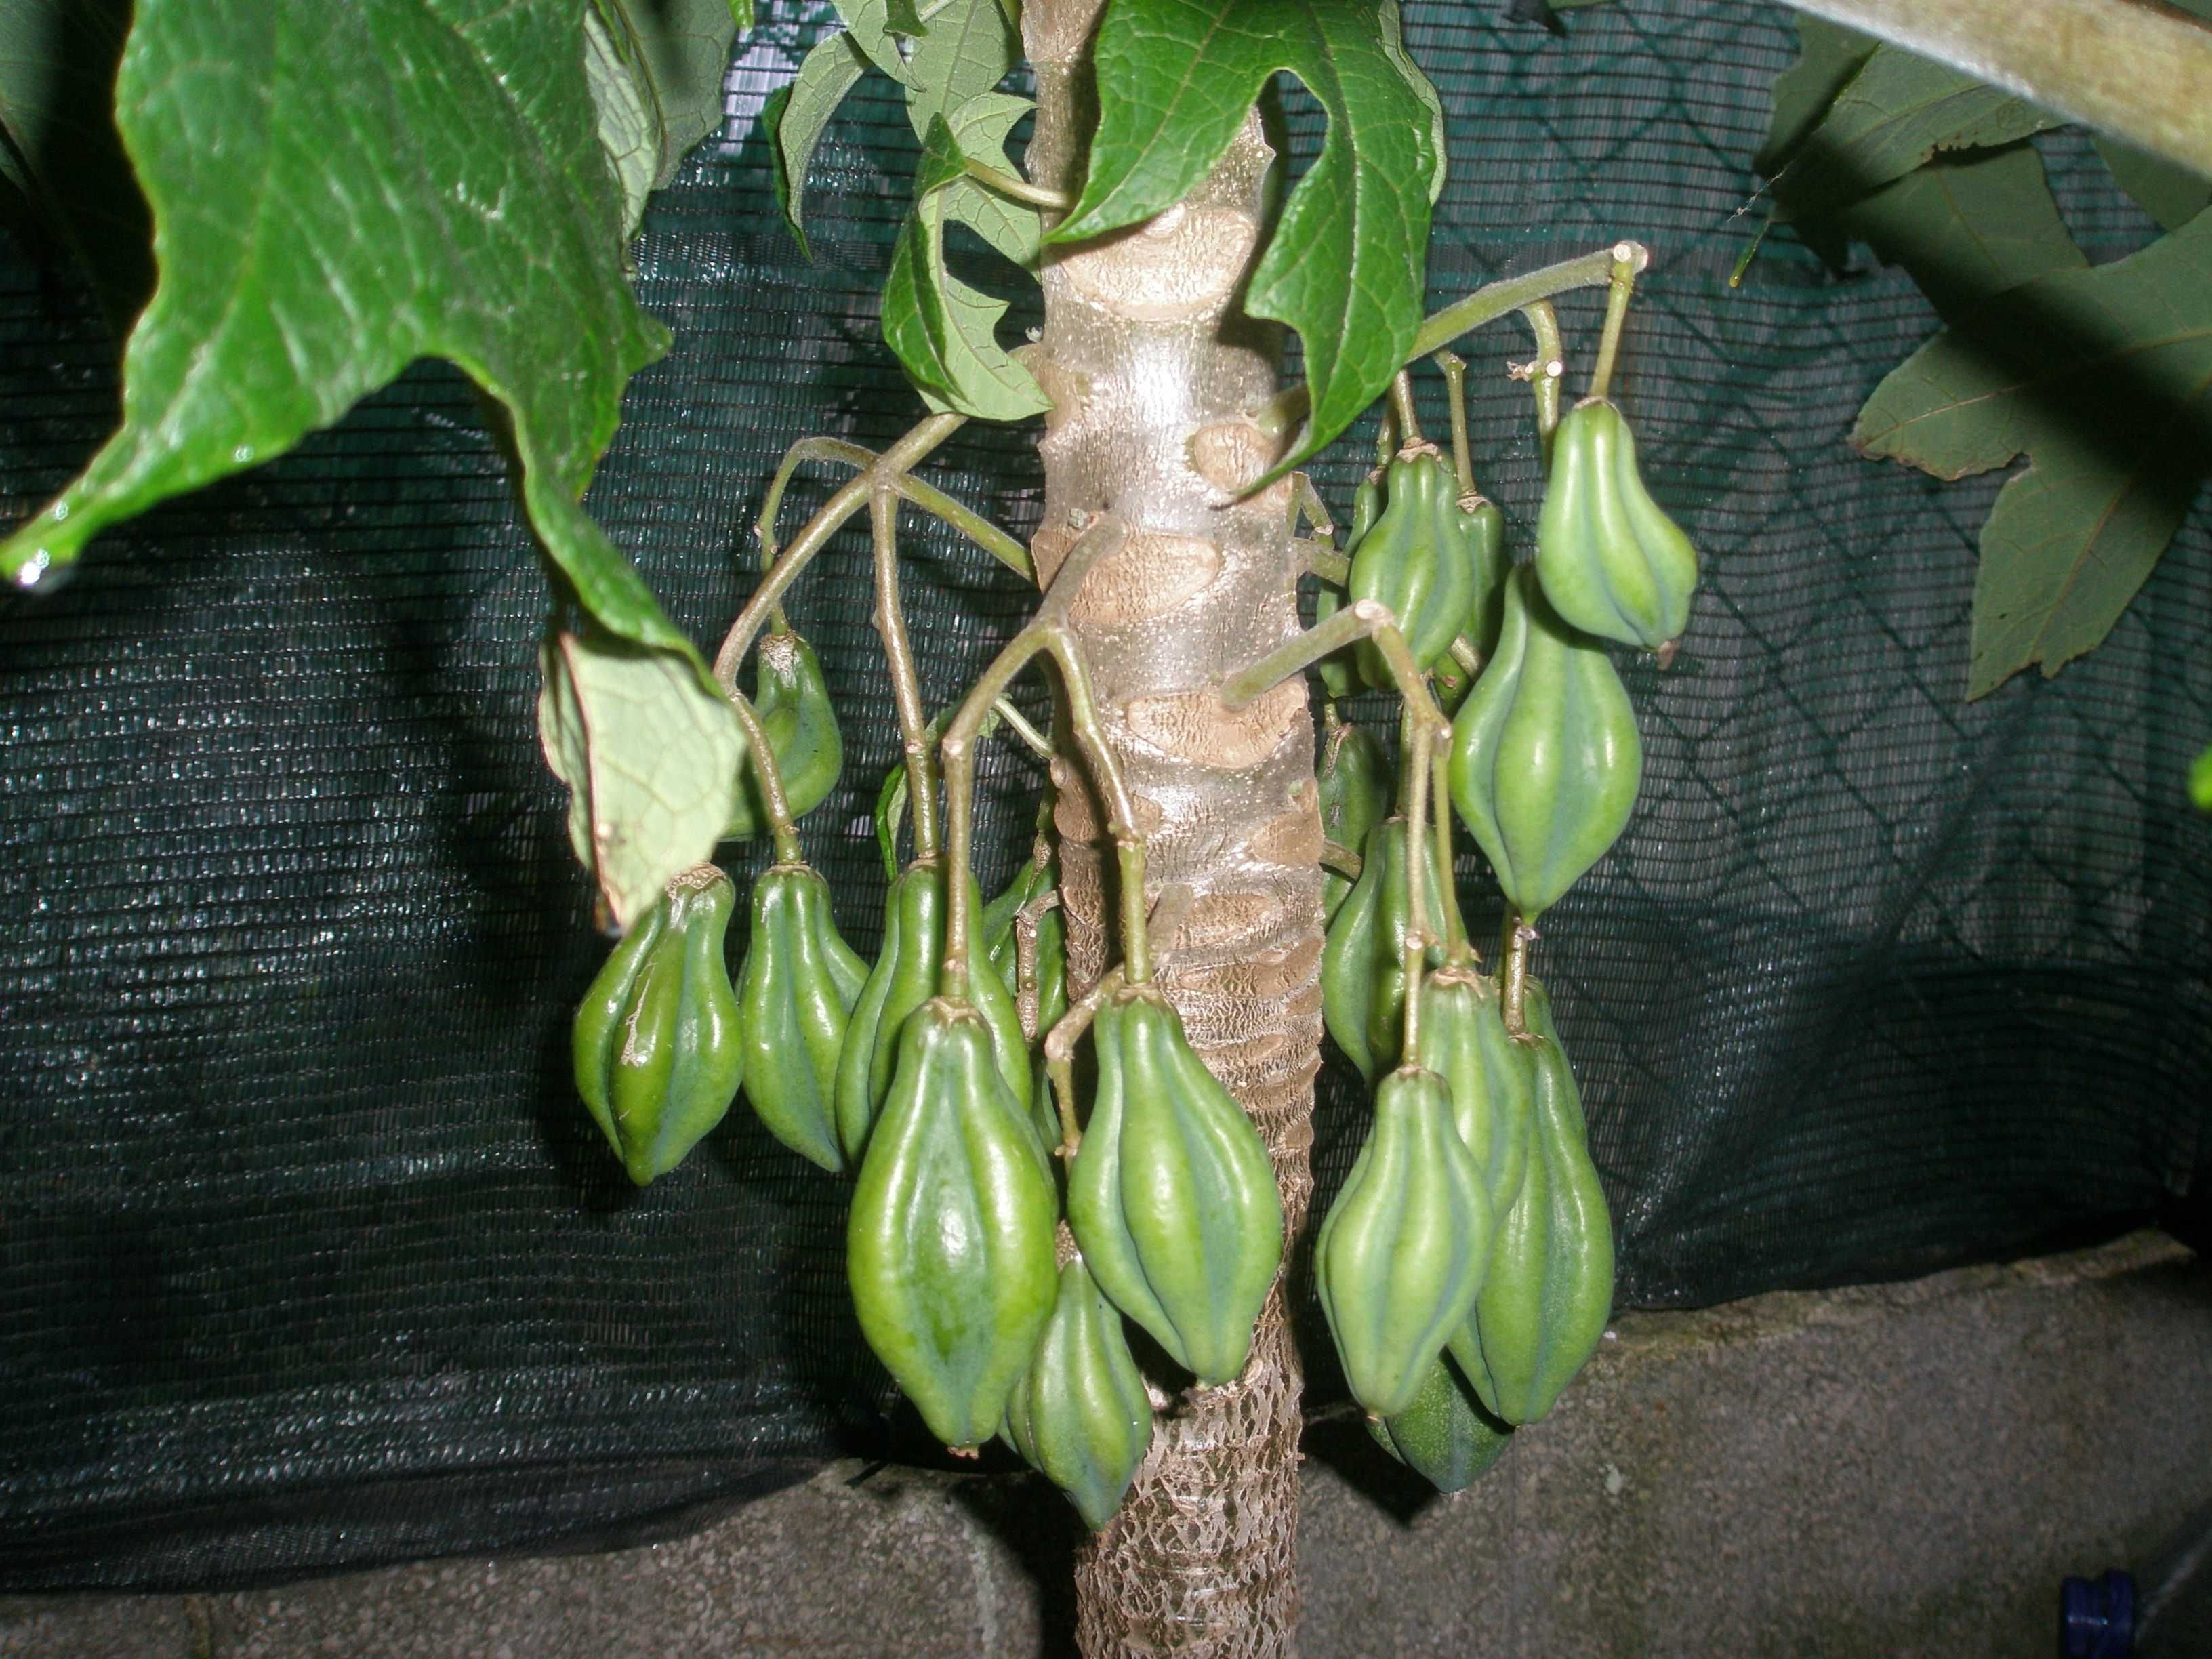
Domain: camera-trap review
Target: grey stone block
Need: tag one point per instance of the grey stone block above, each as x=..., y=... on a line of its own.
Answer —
x=1898, y=1470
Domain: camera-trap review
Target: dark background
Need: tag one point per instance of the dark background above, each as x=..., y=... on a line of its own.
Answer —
x=310, y=1258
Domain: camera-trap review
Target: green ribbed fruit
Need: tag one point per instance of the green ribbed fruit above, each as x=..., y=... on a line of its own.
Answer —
x=1543, y=1307
x=1546, y=759
x=791, y=698
x=949, y=1249
x=1363, y=969
x=905, y=975
x=1612, y=562
x=1355, y=788
x=1402, y=1252
x=1172, y=1196
x=657, y=1041
x=1444, y=1436
x=1413, y=563
x=795, y=996
x=1491, y=1077
x=1079, y=1413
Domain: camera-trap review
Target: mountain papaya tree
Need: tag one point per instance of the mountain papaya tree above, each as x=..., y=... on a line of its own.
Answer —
x=1076, y=1115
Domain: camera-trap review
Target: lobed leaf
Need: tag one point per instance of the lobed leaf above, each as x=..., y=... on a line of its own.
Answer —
x=1829, y=55
x=1968, y=228
x=2100, y=376
x=964, y=51
x=1344, y=267
x=303, y=263
x=796, y=115
x=1895, y=113
x=656, y=68
x=648, y=754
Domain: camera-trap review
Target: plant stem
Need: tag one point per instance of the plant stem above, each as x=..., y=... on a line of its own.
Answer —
x=1335, y=855
x=927, y=497
x=1059, y=1053
x=771, y=780
x=1363, y=619
x=1619, y=288
x=1402, y=409
x=1017, y=189
x=906, y=686
x=1046, y=632
x=1306, y=499
x=828, y=519
x=1454, y=368
x=1547, y=371
x=1034, y=740
x=1513, y=974
x=1458, y=951
x=1486, y=304
x=1414, y=948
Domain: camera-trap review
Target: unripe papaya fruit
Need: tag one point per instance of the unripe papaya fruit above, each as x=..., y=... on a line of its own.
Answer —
x=1401, y=1254
x=1543, y=1306
x=1612, y=562
x=1079, y=1413
x=1491, y=1078
x=1338, y=676
x=1363, y=968
x=905, y=977
x=1444, y=1436
x=1172, y=1196
x=1546, y=759
x=948, y=1249
x=1355, y=784
x=1482, y=533
x=795, y=996
x=1412, y=561
x=792, y=699
x=657, y=1042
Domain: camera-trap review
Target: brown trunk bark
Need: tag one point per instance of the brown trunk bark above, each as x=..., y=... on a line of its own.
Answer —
x=1150, y=367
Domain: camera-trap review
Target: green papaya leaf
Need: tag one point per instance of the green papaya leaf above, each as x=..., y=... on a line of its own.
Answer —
x=656, y=68
x=304, y=264
x=1898, y=111
x=796, y=115
x=964, y=51
x=978, y=131
x=627, y=130
x=59, y=148
x=2101, y=377
x=2200, y=780
x=650, y=755
x=1829, y=55
x=1968, y=227
x=868, y=27
x=2166, y=191
x=943, y=330
x=1343, y=268
x=741, y=14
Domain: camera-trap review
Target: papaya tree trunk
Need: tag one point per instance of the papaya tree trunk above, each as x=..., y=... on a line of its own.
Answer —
x=1150, y=367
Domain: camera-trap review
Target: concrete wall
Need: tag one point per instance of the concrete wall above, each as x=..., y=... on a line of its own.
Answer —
x=1895, y=1471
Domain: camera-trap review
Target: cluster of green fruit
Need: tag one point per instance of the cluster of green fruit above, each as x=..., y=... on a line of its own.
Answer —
x=998, y=1238
x=989, y=1276
x=1467, y=1266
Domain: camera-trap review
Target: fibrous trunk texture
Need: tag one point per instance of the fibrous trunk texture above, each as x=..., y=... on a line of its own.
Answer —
x=1150, y=367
